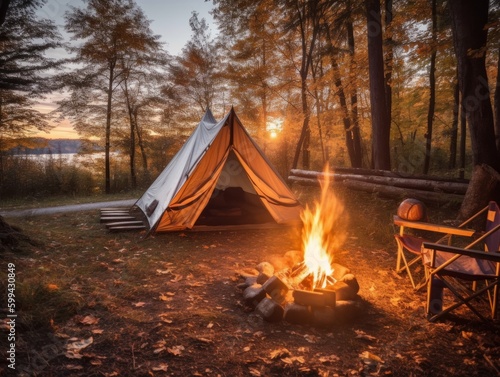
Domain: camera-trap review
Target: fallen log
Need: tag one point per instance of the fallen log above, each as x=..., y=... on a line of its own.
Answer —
x=372, y=172
x=418, y=184
x=402, y=192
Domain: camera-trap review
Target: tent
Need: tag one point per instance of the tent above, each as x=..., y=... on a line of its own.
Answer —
x=219, y=177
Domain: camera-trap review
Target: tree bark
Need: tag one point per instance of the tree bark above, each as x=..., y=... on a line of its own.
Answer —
x=469, y=20
x=389, y=57
x=497, y=103
x=484, y=182
x=454, y=127
x=381, y=158
x=432, y=92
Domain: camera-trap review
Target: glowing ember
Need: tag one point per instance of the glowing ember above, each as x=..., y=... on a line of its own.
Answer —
x=323, y=233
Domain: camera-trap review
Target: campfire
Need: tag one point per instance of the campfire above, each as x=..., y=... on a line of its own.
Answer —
x=307, y=286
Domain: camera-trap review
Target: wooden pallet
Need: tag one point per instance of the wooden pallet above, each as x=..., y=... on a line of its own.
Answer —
x=125, y=228
x=124, y=223
x=107, y=219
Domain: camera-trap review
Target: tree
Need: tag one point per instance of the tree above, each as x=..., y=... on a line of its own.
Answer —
x=432, y=88
x=24, y=66
x=194, y=83
x=110, y=30
x=381, y=158
x=469, y=22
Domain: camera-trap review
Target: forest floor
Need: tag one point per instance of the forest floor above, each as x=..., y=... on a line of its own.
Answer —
x=94, y=303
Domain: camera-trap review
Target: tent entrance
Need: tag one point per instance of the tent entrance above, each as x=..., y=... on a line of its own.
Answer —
x=234, y=200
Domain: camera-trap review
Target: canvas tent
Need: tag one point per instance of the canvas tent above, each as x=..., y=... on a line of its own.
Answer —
x=219, y=177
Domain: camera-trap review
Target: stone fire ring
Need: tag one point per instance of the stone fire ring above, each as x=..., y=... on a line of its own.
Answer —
x=265, y=291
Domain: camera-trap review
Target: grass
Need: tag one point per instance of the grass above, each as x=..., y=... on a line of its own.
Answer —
x=178, y=289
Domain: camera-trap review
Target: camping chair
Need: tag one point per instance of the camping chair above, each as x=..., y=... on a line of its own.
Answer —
x=410, y=246
x=456, y=268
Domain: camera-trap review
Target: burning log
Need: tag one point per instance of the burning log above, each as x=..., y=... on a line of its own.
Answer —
x=314, y=281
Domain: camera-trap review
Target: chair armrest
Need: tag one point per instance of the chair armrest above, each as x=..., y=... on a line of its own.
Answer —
x=479, y=254
x=433, y=227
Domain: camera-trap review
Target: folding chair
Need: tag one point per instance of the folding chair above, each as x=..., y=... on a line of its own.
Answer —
x=456, y=268
x=410, y=246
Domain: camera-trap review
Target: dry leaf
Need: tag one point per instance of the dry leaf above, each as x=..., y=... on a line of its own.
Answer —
x=163, y=272
x=370, y=358
x=246, y=349
x=139, y=304
x=175, y=350
x=73, y=354
x=362, y=335
x=52, y=287
x=176, y=278
x=80, y=344
x=158, y=350
x=164, y=298
x=97, y=331
x=254, y=372
x=161, y=367
x=281, y=352
x=73, y=367
x=210, y=325
x=89, y=320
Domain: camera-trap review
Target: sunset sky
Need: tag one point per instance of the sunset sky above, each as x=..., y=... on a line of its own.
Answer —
x=169, y=19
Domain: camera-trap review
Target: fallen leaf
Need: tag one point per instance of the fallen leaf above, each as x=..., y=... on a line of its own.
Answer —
x=161, y=367
x=329, y=359
x=163, y=272
x=73, y=367
x=162, y=297
x=281, y=352
x=254, y=372
x=89, y=320
x=139, y=304
x=175, y=350
x=52, y=287
x=176, y=278
x=246, y=349
x=362, y=335
x=97, y=331
x=370, y=358
x=80, y=344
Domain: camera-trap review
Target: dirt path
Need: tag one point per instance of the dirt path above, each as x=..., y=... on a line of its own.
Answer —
x=66, y=209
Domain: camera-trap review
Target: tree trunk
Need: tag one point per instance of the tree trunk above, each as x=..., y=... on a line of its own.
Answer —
x=469, y=20
x=133, y=176
x=432, y=90
x=389, y=57
x=497, y=103
x=381, y=158
x=484, y=182
x=454, y=128
x=354, y=156
x=141, y=144
x=307, y=53
x=355, y=133
x=463, y=138
x=107, y=172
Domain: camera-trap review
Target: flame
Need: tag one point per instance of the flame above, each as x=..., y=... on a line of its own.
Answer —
x=322, y=234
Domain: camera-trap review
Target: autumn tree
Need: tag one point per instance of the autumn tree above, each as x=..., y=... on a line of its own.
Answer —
x=107, y=31
x=469, y=22
x=194, y=82
x=381, y=157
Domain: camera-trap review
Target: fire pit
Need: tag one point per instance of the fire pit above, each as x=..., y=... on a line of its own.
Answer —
x=306, y=286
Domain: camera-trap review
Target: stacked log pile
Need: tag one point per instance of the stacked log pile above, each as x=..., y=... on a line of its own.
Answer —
x=388, y=184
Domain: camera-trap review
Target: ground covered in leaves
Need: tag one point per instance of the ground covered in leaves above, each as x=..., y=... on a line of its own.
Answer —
x=93, y=303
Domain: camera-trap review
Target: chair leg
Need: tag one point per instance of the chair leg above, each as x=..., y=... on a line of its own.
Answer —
x=462, y=300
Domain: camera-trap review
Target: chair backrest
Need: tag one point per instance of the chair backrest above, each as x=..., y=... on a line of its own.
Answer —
x=493, y=220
